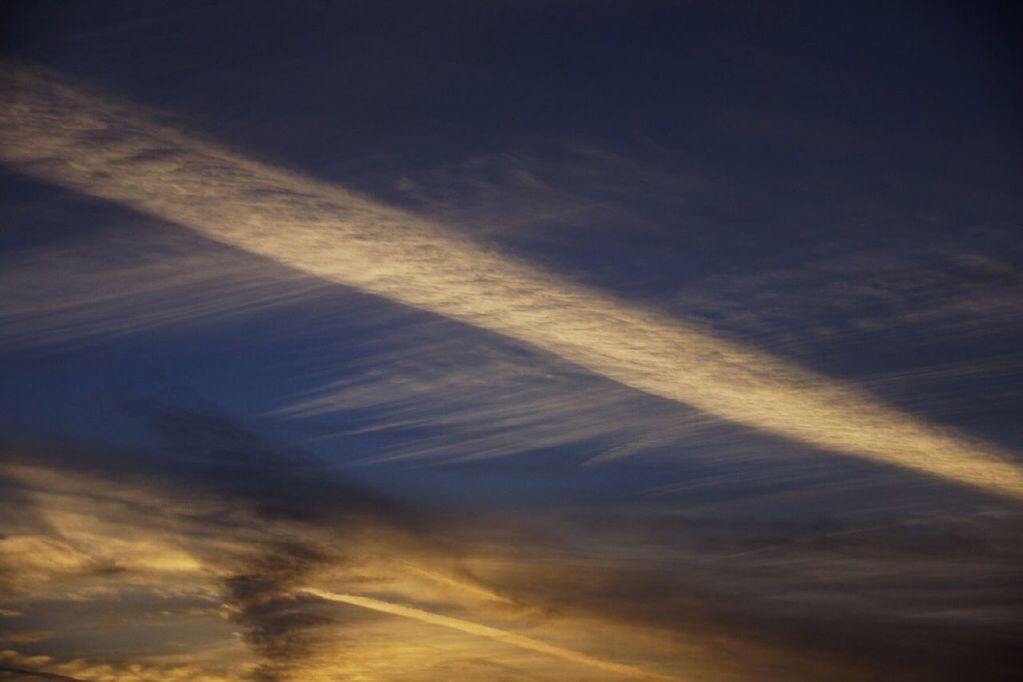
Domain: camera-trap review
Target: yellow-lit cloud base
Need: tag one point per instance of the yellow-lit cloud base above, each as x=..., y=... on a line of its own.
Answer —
x=510, y=638
x=63, y=135
x=80, y=539
x=147, y=568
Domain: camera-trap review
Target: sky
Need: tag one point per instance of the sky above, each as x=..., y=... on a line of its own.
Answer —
x=510, y=340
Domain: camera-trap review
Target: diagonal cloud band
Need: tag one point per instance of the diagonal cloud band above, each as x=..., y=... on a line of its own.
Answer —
x=62, y=134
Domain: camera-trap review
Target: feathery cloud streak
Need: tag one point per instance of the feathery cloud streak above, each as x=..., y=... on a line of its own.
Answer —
x=63, y=135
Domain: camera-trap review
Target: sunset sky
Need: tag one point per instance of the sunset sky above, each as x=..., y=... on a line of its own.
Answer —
x=511, y=340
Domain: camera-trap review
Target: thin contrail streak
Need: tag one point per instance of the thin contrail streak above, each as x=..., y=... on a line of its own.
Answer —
x=63, y=135
x=486, y=631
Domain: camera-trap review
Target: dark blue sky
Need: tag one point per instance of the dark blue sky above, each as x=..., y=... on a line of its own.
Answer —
x=830, y=186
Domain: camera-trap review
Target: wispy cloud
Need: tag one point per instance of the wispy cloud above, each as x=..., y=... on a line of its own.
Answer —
x=485, y=631
x=64, y=135
x=215, y=540
x=223, y=576
x=154, y=555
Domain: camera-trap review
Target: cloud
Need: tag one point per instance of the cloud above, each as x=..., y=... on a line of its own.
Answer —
x=899, y=303
x=213, y=530
x=18, y=666
x=275, y=626
x=694, y=596
x=927, y=598
x=485, y=631
x=61, y=134
x=134, y=534
x=251, y=547
x=16, y=673
x=28, y=562
x=128, y=280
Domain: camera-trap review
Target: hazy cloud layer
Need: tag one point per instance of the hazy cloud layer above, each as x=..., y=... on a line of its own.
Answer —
x=278, y=584
x=232, y=535
x=61, y=134
x=408, y=342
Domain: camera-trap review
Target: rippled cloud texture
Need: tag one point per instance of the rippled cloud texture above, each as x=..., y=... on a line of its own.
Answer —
x=508, y=341
x=61, y=134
